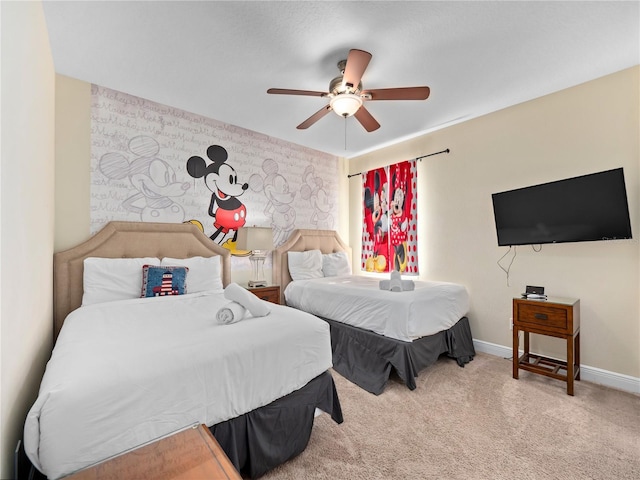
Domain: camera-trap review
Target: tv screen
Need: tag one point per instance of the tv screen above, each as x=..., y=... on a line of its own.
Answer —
x=580, y=209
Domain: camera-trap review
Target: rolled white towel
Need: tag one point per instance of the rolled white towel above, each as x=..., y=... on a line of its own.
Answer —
x=392, y=284
x=408, y=285
x=256, y=306
x=395, y=282
x=232, y=312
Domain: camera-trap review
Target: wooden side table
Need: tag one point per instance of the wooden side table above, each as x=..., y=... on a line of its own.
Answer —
x=187, y=455
x=270, y=293
x=556, y=317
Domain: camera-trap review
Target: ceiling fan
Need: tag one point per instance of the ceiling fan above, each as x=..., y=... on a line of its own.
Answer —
x=346, y=96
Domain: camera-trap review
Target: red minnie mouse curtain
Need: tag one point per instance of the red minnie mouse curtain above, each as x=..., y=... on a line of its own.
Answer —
x=390, y=231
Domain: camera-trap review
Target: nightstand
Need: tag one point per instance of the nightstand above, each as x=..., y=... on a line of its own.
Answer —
x=556, y=317
x=270, y=293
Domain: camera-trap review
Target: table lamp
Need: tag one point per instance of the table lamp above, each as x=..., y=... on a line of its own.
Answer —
x=260, y=241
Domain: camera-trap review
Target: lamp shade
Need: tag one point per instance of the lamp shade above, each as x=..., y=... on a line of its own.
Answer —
x=255, y=238
x=346, y=104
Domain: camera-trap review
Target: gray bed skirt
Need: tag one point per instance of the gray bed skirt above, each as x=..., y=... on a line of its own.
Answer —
x=264, y=438
x=259, y=440
x=367, y=359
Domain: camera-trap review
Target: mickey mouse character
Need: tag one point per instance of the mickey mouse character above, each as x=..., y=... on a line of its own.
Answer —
x=279, y=199
x=313, y=190
x=378, y=222
x=153, y=179
x=221, y=178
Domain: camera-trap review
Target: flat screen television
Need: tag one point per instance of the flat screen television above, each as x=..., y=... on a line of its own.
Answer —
x=579, y=209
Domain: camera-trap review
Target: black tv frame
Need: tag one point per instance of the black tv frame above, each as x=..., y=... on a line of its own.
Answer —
x=576, y=209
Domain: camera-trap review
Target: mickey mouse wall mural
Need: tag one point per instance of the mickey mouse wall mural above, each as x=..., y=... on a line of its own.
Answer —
x=279, y=200
x=228, y=212
x=153, y=179
x=321, y=202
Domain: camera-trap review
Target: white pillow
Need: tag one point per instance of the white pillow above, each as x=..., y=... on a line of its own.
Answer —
x=110, y=279
x=305, y=265
x=335, y=264
x=205, y=273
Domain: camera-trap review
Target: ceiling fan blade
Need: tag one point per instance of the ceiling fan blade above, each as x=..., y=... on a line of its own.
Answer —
x=366, y=119
x=406, y=93
x=357, y=62
x=314, y=118
x=285, y=91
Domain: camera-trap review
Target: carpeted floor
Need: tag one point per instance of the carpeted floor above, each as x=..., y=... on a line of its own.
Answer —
x=474, y=423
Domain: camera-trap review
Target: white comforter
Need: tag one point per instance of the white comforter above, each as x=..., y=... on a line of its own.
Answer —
x=124, y=373
x=357, y=300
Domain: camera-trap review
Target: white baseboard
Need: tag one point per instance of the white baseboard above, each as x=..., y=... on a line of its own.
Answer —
x=590, y=374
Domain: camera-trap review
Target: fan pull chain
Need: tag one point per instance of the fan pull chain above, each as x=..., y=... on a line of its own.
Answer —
x=345, y=133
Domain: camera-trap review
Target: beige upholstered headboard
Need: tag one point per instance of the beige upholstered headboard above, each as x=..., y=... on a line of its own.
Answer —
x=127, y=240
x=327, y=241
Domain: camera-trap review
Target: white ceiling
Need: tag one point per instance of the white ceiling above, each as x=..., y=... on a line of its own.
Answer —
x=218, y=58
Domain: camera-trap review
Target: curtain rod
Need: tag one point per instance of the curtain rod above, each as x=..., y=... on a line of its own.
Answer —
x=417, y=158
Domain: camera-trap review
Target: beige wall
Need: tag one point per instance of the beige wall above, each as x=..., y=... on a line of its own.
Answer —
x=27, y=216
x=591, y=127
x=73, y=161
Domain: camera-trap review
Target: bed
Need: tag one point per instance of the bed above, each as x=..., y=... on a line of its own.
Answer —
x=127, y=371
x=397, y=336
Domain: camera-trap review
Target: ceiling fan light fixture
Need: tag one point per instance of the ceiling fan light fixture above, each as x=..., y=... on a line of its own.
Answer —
x=345, y=104
x=346, y=95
